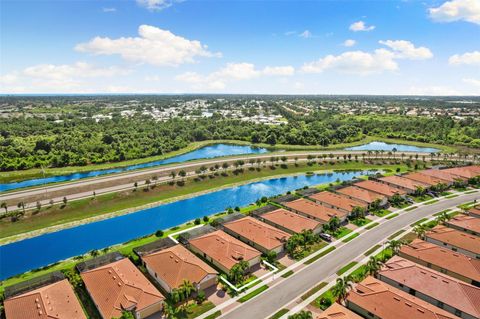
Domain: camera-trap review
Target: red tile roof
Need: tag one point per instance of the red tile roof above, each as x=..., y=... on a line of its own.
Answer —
x=403, y=182
x=436, y=285
x=467, y=222
x=315, y=210
x=224, y=249
x=440, y=173
x=426, y=179
x=337, y=311
x=474, y=211
x=56, y=300
x=176, y=264
x=443, y=258
x=258, y=232
x=465, y=172
x=387, y=302
x=455, y=238
x=119, y=286
x=291, y=221
x=336, y=200
x=361, y=194
x=380, y=188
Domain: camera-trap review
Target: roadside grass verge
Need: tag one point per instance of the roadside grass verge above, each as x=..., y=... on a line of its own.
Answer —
x=349, y=238
x=288, y=274
x=431, y=202
x=313, y=259
x=371, y=250
x=253, y=294
x=345, y=268
x=418, y=222
x=279, y=313
x=214, y=315
x=451, y=196
x=410, y=208
x=442, y=212
x=392, y=236
x=470, y=192
x=371, y=226
x=313, y=290
x=392, y=216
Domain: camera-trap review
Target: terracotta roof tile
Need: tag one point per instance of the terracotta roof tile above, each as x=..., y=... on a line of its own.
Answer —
x=361, y=194
x=291, y=221
x=119, y=286
x=465, y=172
x=440, y=173
x=474, y=211
x=337, y=311
x=436, y=285
x=258, y=232
x=455, y=238
x=224, y=249
x=176, y=263
x=426, y=179
x=315, y=210
x=443, y=258
x=467, y=222
x=387, y=302
x=380, y=188
x=336, y=200
x=56, y=300
x=403, y=182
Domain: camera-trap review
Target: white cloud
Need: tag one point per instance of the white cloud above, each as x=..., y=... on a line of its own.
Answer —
x=306, y=34
x=354, y=62
x=349, y=43
x=289, y=33
x=156, y=5
x=360, y=26
x=68, y=71
x=456, y=10
x=468, y=58
x=406, y=50
x=109, y=10
x=153, y=46
x=237, y=71
x=474, y=82
x=279, y=70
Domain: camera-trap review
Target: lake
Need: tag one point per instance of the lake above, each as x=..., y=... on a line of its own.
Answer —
x=211, y=151
x=32, y=253
x=382, y=146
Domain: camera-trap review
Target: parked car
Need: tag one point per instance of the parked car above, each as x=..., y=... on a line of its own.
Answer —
x=409, y=200
x=326, y=236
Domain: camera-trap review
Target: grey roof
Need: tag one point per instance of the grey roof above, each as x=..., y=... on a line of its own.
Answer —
x=154, y=246
x=32, y=284
x=99, y=261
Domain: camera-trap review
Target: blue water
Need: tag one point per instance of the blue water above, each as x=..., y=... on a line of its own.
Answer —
x=382, y=146
x=28, y=254
x=211, y=151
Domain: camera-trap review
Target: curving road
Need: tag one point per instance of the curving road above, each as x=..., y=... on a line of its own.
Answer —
x=288, y=290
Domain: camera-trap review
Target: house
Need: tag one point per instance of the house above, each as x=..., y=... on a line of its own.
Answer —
x=120, y=286
x=49, y=300
x=223, y=250
x=337, y=311
x=474, y=211
x=426, y=179
x=465, y=172
x=408, y=185
x=455, y=240
x=443, y=260
x=260, y=235
x=372, y=298
x=171, y=266
x=338, y=201
x=290, y=222
x=363, y=195
x=380, y=188
x=466, y=223
x=316, y=211
x=445, y=292
x=442, y=174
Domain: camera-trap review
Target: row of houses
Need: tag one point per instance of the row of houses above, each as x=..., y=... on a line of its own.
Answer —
x=438, y=277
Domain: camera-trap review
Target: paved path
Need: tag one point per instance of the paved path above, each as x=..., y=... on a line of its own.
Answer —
x=300, y=282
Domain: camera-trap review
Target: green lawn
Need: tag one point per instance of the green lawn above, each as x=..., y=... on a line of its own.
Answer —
x=418, y=222
x=214, y=315
x=194, y=310
x=313, y=259
x=253, y=293
x=341, y=232
x=452, y=196
x=396, y=234
x=372, y=225
x=392, y=216
x=422, y=198
x=279, y=314
x=345, y=268
x=381, y=212
x=430, y=202
x=288, y=274
x=313, y=290
x=371, y=250
x=442, y=212
x=410, y=208
x=361, y=221
x=349, y=238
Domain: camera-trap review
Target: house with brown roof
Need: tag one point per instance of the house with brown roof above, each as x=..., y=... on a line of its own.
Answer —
x=466, y=223
x=337, y=311
x=223, y=250
x=120, y=286
x=408, y=185
x=290, y=222
x=171, y=266
x=443, y=260
x=55, y=300
x=338, y=201
x=465, y=171
x=426, y=179
x=374, y=299
x=442, y=174
x=445, y=292
x=380, y=188
x=363, y=195
x=260, y=235
x=474, y=211
x=315, y=211
x=455, y=240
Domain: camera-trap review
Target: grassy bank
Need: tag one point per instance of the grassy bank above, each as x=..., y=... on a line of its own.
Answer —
x=124, y=201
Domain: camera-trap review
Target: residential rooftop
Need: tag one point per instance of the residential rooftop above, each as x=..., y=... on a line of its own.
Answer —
x=399, y=181
x=380, y=188
x=224, y=249
x=442, y=257
x=443, y=288
x=455, y=238
x=361, y=194
x=426, y=179
x=258, y=232
x=337, y=311
x=291, y=221
x=474, y=211
x=176, y=264
x=315, y=210
x=469, y=223
x=440, y=173
x=387, y=302
x=118, y=286
x=465, y=171
x=57, y=300
x=337, y=200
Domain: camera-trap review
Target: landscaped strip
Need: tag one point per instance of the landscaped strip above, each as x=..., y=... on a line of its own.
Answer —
x=431, y=202
x=392, y=216
x=442, y=212
x=410, y=208
x=451, y=196
x=371, y=250
x=214, y=315
x=354, y=235
x=396, y=234
x=323, y=253
x=288, y=274
x=418, y=222
x=253, y=293
x=345, y=268
x=372, y=225
x=313, y=290
x=279, y=314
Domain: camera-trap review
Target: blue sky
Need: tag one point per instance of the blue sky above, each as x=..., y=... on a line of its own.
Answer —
x=273, y=47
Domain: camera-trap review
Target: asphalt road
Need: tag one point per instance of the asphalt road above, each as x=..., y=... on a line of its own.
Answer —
x=288, y=290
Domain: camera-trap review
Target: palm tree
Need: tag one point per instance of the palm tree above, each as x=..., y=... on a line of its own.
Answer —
x=443, y=217
x=187, y=288
x=4, y=206
x=170, y=311
x=395, y=245
x=342, y=288
x=22, y=206
x=420, y=230
x=374, y=265
x=394, y=150
x=301, y=315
